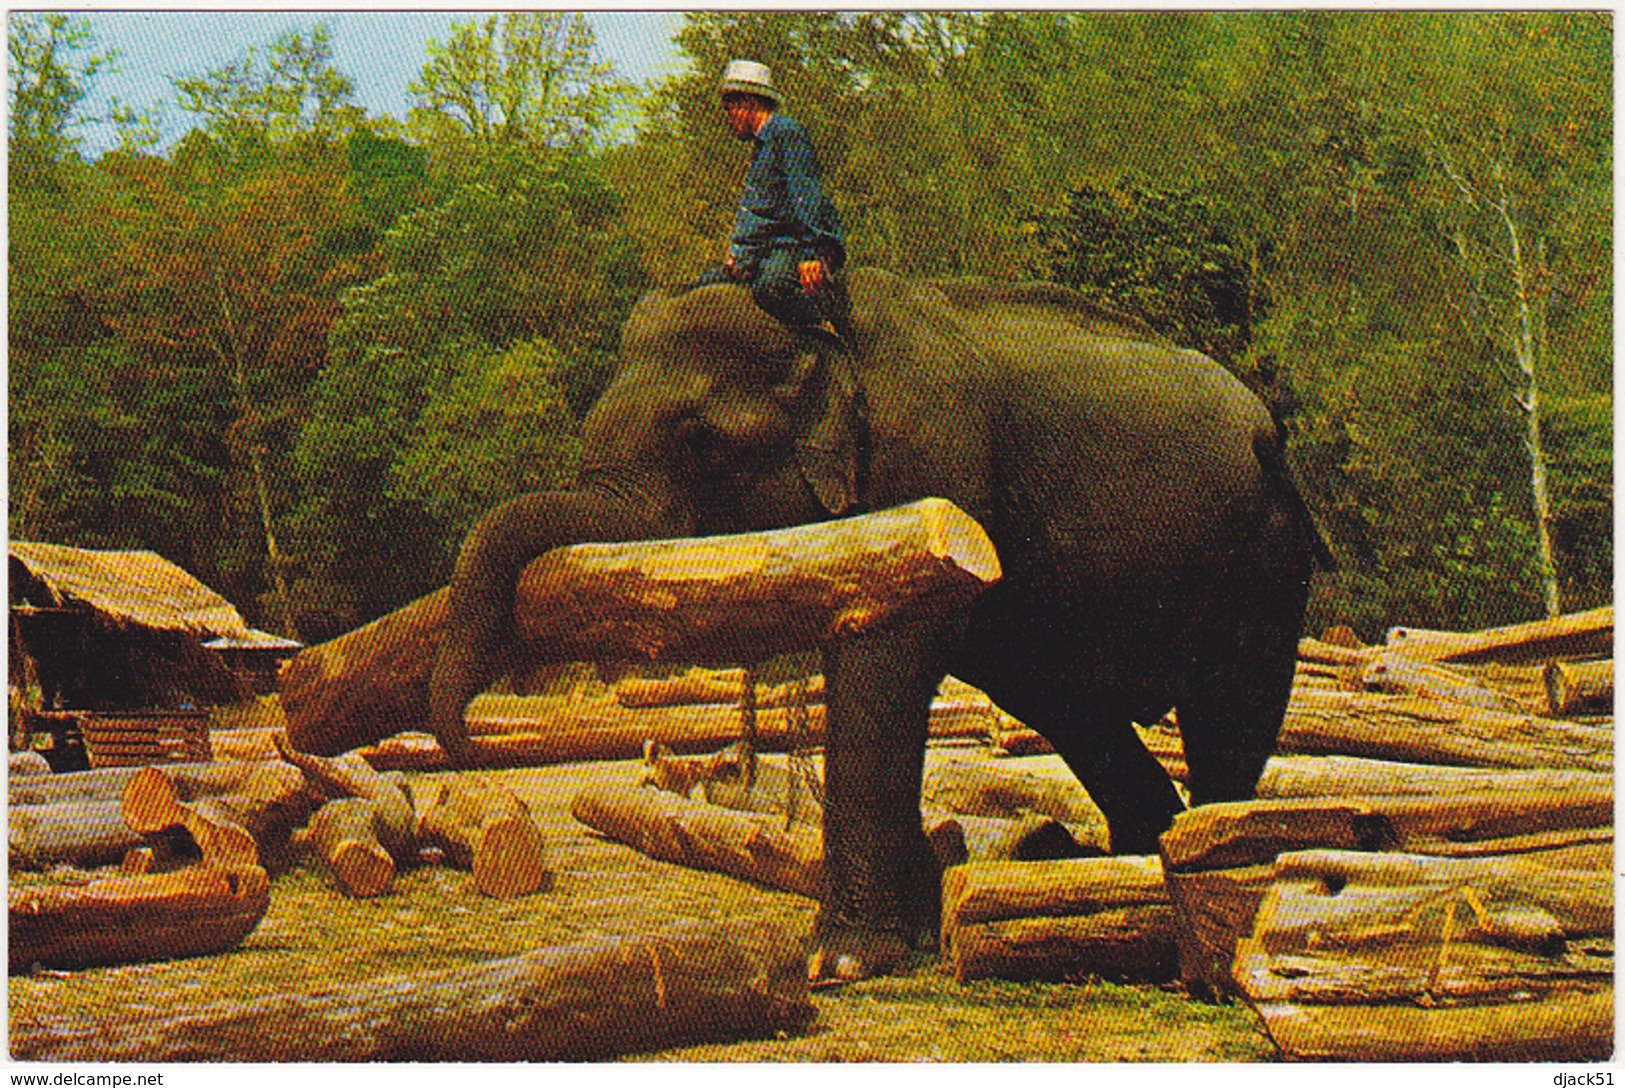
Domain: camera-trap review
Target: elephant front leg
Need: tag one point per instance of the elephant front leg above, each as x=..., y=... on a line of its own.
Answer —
x=882, y=882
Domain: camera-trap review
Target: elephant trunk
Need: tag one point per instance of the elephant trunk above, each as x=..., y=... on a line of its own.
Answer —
x=479, y=636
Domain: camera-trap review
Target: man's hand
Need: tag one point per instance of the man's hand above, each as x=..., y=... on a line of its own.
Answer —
x=732, y=269
x=813, y=278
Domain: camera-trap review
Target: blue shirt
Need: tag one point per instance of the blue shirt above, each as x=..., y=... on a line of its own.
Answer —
x=784, y=206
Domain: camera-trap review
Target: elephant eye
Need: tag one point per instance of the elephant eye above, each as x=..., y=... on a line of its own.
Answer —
x=697, y=438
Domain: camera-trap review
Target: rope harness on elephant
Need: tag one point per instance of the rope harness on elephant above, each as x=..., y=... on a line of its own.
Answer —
x=803, y=772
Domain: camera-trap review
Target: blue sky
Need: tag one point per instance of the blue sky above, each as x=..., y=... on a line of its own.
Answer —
x=381, y=51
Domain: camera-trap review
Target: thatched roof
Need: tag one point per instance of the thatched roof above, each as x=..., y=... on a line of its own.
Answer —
x=125, y=588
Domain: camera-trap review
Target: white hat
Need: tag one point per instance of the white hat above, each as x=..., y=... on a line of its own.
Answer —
x=749, y=77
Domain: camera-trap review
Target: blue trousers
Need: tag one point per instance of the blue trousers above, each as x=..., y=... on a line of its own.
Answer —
x=775, y=284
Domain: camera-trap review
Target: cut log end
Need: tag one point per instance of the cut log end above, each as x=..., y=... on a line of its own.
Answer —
x=954, y=535
x=509, y=862
x=364, y=869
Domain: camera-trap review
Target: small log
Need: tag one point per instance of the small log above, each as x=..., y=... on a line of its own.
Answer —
x=1578, y=634
x=483, y=826
x=345, y=836
x=351, y=776
x=1219, y=860
x=589, y=1001
x=1580, y=687
x=1411, y=730
x=715, y=599
x=1011, y=788
x=1059, y=920
x=26, y=764
x=252, y=822
x=85, y=834
x=1353, y=933
x=1351, y=776
x=754, y=846
x=193, y=912
x=1321, y=652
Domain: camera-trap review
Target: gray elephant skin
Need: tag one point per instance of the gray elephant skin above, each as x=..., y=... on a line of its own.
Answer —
x=1155, y=548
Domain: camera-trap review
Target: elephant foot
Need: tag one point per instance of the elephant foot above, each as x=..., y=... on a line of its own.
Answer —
x=846, y=954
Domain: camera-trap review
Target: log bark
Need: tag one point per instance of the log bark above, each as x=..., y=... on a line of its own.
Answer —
x=1351, y=776
x=588, y=1001
x=108, y=784
x=1579, y=687
x=248, y=826
x=85, y=834
x=753, y=846
x=1059, y=920
x=1398, y=674
x=1411, y=730
x=1578, y=634
x=1220, y=859
x=1009, y=789
x=193, y=912
x=594, y=733
x=702, y=686
x=345, y=836
x=1358, y=933
x=709, y=600
x=484, y=827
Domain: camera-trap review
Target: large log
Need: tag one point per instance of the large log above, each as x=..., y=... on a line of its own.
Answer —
x=1477, y=953
x=393, y=821
x=1578, y=634
x=1412, y=730
x=1219, y=860
x=607, y=732
x=700, y=686
x=193, y=912
x=581, y=1002
x=108, y=783
x=1351, y=776
x=752, y=845
x=1059, y=920
x=80, y=833
x=710, y=600
x=484, y=827
x=1398, y=674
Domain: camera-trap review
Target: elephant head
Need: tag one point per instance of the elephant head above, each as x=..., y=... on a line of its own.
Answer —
x=718, y=419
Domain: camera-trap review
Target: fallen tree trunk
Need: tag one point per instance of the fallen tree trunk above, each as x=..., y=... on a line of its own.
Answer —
x=247, y=826
x=1397, y=674
x=1343, y=939
x=1580, y=687
x=1411, y=730
x=1219, y=860
x=751, y=845
x=108, y=783
x=1351, y=776
x=484, y=827
x=81, y=833
x=193, y=912
x=701, y=686
x=598, y=733
x=1578, y=634
x=717, y=599
x=26, y=764
x=1059, y=920
x=582, y=1002
x=393, y=821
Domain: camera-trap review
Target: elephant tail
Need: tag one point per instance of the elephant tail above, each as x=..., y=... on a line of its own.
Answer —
x=1270, y=449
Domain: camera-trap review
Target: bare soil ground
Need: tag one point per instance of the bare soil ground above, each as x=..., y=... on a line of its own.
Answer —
x=433, y=918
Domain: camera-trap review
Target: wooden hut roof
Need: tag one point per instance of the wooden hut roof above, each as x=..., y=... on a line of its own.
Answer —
x=126, y=588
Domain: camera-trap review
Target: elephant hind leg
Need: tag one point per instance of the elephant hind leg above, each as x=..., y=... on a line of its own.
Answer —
x=1230, y=716
x=1097, y=740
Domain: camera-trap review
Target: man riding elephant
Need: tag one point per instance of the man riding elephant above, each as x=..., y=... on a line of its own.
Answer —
x=787, y=243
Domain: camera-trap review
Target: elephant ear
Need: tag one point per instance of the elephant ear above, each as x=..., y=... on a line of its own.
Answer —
x=827, y=405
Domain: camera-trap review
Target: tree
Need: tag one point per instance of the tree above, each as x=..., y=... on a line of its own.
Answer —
x=520, y=79
x=51, y=68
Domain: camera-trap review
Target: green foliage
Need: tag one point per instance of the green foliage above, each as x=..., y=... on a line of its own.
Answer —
x=1166, y=257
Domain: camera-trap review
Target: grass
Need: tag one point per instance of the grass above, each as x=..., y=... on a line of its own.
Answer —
x=433, y=919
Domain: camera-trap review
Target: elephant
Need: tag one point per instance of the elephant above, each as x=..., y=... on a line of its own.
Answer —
x=1156, y=550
